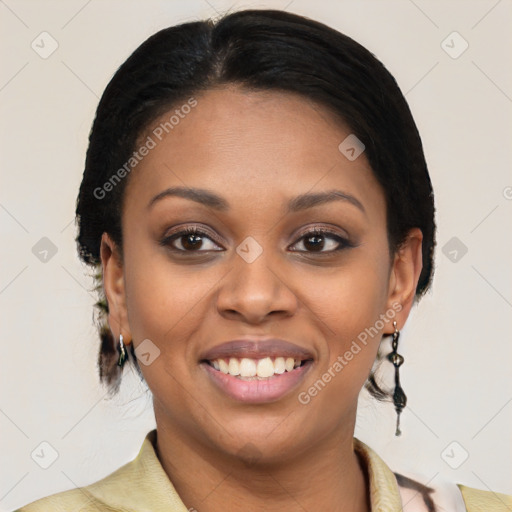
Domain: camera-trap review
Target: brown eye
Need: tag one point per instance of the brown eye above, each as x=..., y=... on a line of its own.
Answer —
x=314, y=242
x=190, y=240
x=321, y=241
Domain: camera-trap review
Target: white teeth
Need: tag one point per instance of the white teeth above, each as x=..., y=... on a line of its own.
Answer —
x=234, y=367
x=223, y=366
x=265, y=367
x=279, y=366
x=258, y=368
x=247, y=367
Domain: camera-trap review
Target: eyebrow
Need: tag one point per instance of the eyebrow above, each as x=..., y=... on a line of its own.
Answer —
x=299, y=203
x=198, y=195
x=305, y=201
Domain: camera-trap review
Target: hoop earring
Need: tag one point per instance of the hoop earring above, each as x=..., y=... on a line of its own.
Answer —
x=123, y=355
x=399, y=398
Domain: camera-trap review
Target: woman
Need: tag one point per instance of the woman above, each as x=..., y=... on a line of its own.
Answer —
x=257, y=197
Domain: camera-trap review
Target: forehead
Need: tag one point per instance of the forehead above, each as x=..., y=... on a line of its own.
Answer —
x=269, y=145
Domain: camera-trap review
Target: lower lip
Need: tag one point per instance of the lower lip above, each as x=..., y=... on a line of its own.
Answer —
x=258, y=391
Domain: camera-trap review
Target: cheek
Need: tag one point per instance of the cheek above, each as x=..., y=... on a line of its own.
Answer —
x=352, y=307
x=164, y=304
x=167, y=308
x=350, y=297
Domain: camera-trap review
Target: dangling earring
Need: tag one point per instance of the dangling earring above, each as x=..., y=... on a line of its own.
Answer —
x=123, y=355
x=399, y=398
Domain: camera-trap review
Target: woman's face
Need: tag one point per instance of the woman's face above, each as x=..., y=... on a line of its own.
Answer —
x=259, y=176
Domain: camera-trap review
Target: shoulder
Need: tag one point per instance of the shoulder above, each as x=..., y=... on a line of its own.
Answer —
x=477, y=500
x=91, y=498
x=129, y=484
x=446, y=495
x=399, y=492
x=64, y=502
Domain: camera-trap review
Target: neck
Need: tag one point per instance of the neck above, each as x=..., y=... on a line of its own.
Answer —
x=327, y=476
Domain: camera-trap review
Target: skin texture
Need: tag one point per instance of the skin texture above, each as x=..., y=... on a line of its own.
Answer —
x=257, y=150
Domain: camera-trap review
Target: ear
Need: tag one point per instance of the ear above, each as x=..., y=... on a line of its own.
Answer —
x=113, y=284
x=404, y=276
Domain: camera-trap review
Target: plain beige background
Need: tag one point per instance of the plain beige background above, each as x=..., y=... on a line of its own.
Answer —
x=457, y=345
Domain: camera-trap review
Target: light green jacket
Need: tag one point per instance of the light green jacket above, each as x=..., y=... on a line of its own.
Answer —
x=143, y=486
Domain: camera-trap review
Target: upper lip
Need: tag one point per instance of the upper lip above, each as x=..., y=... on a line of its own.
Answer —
x=256, y=349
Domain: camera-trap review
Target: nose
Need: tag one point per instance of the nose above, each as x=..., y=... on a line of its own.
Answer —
x=255, y=291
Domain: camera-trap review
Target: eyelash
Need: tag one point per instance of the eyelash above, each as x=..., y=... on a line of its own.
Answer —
x=343, y=243
x=188, y=230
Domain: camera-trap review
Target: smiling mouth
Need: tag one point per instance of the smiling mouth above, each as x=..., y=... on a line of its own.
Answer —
x=249, y=369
